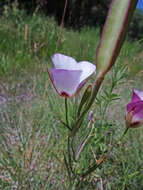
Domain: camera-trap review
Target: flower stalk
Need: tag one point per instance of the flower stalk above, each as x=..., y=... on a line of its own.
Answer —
x=112, y=38
x=68, y=77
x=66, y=111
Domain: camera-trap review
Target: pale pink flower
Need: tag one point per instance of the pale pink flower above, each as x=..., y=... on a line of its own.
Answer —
x=69, y=76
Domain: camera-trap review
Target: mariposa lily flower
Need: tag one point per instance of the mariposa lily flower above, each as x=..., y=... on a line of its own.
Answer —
x=69, y=76
x=134, y=113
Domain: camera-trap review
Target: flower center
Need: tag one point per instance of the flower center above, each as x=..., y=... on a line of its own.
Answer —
x=64, y=94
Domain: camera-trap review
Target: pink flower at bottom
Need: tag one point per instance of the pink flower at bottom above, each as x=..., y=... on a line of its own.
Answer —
x=69, y=76
x=134, y=113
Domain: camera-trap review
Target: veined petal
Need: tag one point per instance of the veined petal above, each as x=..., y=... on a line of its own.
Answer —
x=66, y=82
x=87, y=69
x=138, y=112
x=134, y=106
x=61, y=61
x=137, y=95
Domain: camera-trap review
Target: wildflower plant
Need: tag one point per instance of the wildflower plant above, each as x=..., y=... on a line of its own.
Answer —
x=68, y=77
x=80, y=144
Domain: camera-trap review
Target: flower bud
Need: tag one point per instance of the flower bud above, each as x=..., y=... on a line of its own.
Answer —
x=90, y=116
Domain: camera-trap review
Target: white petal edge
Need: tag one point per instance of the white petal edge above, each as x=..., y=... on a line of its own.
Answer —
x=62, y=61
x=87, y=69
x=139, y=93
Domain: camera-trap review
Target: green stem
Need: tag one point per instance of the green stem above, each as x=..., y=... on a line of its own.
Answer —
x=117, y=141
x=66, y=110
x=91, y=169
x=120, y=139
x=78, y=122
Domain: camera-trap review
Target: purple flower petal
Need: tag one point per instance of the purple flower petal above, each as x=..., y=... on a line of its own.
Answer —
x=61, y=61
x=138, y=112
x=137, y=95
x=66, y=82
x=131, y=106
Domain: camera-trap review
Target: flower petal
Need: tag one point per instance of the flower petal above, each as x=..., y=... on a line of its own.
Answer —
x=137, y=108
x=138, y=112
x=69, y=76
x=137, y=95
x=87, y=69
x=61, y=61
x=134, y=105
x=66, y=82
x=134, y=113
